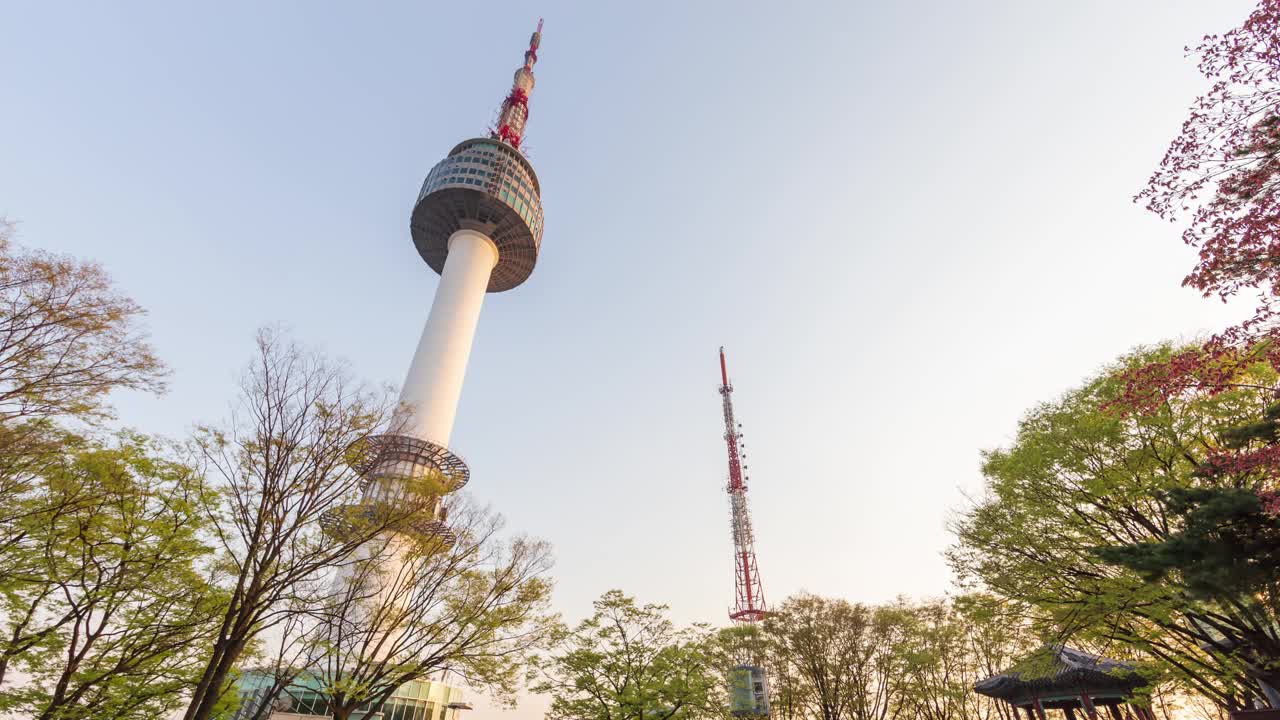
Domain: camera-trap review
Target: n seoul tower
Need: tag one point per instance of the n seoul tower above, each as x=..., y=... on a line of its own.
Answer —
x=477, y=222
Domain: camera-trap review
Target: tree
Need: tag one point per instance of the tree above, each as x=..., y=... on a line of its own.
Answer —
x=787, y=696
x=67, y=337
x=844, y=656
x=1220, y=176
x=472, y=603
x=1080, y=479
x=287, y=458
x=748, y=644
x=84, y=522
x=108, y=603
x=827, y=658
x=1226, y=548
x=630, y=662
x=948, y=646
x=281, y=669
x=1225, y=551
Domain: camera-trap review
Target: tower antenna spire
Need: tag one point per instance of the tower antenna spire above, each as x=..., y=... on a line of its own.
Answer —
x=515, y=108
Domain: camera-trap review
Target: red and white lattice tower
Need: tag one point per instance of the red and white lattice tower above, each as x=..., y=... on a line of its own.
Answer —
x=749, y=684
x=749, y=604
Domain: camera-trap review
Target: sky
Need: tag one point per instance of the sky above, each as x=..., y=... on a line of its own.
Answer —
x=907, y=223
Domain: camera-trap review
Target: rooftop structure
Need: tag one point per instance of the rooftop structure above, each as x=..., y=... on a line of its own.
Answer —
x=1057, y=677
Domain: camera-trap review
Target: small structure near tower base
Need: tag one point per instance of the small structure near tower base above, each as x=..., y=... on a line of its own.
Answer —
x=748, y=691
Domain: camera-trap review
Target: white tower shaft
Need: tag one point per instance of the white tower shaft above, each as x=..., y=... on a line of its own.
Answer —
x=483, y=182
x=434, y=383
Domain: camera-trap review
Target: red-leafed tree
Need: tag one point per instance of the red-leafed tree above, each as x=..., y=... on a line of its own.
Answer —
x=1220, y=178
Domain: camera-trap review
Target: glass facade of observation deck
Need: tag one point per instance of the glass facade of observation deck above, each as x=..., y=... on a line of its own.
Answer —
x=494, y=168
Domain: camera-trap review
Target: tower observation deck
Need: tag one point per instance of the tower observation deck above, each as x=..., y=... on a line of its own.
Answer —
x=478, y=223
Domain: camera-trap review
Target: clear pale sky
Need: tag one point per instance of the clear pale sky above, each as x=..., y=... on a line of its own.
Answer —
x=907, y=223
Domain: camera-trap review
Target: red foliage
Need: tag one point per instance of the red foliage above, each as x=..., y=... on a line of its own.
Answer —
x=1270, y=502
x=1265, y=460
x=1220, y=176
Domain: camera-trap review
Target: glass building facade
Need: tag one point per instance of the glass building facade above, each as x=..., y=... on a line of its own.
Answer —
x=497, y=169
x=487, y=186
x=418, y=700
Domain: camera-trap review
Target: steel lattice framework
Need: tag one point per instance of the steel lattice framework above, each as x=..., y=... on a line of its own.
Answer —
x=749, y=605
x=515, y=108
x=399, y=472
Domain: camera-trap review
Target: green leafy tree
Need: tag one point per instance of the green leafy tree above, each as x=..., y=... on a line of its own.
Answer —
x=630, y=662
x=949, y=645
x=829, y=658
x=747, y=644
x=476, y=605
x=85, y=526
x=843, y=658
x=1226, y=548
x=1225, y=553
x=1082, y=478
x=1224, y=545
x=109, y=602
x=288, y=457
x=68, y=338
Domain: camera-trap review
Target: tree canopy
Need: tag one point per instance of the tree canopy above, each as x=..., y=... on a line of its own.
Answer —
x=630, y=662
x=1219, y=179
x=476, y=605
x=1082, y=485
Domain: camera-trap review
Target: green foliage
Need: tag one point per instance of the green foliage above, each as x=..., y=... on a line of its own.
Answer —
x=630, y=662
x=105, y=604
x=1225, y=545
x=478, y=606
x=1266, y=430
x=948, y=646
x=1080, y=489
x=842, y=655
x=827, y=658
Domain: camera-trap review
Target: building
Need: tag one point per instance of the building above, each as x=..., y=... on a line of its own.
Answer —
x=420, y=700
x=1056, y=677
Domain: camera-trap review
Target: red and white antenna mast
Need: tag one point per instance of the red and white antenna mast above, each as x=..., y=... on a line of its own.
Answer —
x=515, y=108
x=749, y=604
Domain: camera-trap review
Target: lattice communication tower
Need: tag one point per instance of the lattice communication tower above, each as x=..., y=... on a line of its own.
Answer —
x=749, y=684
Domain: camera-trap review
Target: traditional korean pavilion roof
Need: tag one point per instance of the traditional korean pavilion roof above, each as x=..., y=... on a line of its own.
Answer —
x=1057, y=671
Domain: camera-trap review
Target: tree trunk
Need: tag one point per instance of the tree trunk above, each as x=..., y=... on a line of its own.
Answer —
x=209, y=690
